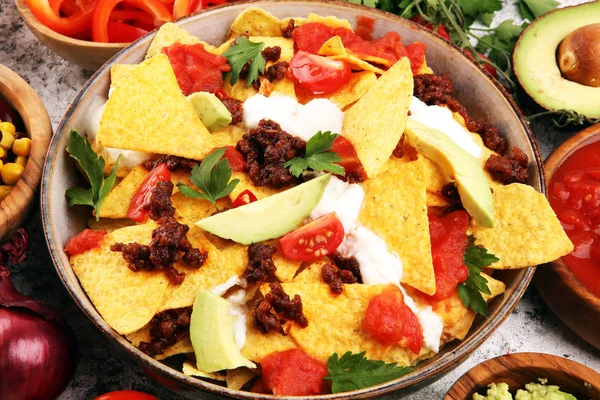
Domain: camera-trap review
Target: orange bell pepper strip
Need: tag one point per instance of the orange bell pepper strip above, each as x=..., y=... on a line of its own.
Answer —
x=76, y=23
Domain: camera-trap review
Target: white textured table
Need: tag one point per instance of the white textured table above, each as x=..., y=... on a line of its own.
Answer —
x=531, y=327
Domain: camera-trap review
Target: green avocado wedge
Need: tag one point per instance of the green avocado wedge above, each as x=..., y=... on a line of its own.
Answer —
x=268, y=218
x=211, y=111
x=212, y=335
x=473, y=186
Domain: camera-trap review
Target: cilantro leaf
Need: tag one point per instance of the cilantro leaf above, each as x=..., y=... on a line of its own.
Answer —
x=531, y=9
x=92, y=166
x=475, y=258
x=507, y=31
x=487, y=18
x=242, y=51
x=212, y=178
x=318, y=157
x=355, y=371
x=473, y=9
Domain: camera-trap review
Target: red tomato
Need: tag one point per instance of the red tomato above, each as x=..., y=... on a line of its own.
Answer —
x=84, y=241
x=137, y=208
x=236, y=160
x=196, y=69
x=310, y=37
x=448, y=235
x=352, y=165
x=365, y=27
x=319, y=75
x=441, y=29
x=74, y=24
x=416, y=55
x=388, y=47
x=293, y=373
x=389, y=320
x=313, y=240
x=119, y=32
x=126, y=395
x=246, y=197
x=487, y=67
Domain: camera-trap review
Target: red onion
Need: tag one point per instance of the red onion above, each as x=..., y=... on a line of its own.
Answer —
x=37, y=354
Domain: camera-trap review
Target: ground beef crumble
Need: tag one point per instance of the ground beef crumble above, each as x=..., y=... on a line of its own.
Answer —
x=260, y=263
x=173, y=163
x=277, y=71
x=335, y=277
x=166, y=328
x=271, y=53
x=266, y=149
x=347, y=264
x=236, y=108
x=286, y=31
x=509, y=168
x=275, y=302
x=160, y=205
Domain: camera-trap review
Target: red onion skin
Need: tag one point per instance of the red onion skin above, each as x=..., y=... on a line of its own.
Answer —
x=36, y=356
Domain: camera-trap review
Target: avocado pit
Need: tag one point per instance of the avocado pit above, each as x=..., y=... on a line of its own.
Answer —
x=578, y=56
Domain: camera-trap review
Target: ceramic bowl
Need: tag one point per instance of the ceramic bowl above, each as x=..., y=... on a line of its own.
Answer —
x=519, y=369
x=482, y=96
x=575, y=305
x=86, y=54
x=15, y=207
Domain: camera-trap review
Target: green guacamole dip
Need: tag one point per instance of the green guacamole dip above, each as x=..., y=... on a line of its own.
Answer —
x=533, y=391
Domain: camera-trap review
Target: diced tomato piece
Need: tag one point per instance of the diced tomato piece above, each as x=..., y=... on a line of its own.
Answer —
x=364, y=27
x=196, y=69
x=350, y=161
x=574, y=218
x=246, y=197
x=236, y=160
x=138, y=210
x=389, y=320
x=448, y=235
x=119, y=32
x=416, y=55
x=319, y=75
x=310, y=37
x=293, y=373
x=313, y=240
x=84, y=241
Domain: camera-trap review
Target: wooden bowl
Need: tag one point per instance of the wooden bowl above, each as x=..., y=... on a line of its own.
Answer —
x=17, y=92
x=86, y=54
x=519, y=369
x=481, y=95
x=566, y=296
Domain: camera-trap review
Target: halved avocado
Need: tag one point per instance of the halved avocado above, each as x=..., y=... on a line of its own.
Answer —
x=536, y=67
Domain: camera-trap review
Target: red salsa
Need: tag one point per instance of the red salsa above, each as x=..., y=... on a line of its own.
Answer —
x=84, y=241
x=575, y=197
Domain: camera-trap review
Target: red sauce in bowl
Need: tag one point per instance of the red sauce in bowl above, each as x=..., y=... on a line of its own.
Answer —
x=574, y=194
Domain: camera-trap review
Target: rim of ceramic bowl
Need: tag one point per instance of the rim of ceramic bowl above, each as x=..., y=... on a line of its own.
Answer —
x=437, y=368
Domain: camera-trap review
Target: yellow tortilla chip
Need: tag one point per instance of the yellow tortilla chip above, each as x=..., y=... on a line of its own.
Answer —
x=119, y=72
x=148, y=112
x=259, y=345
x=286, y=268
x=170, y=33
x=126, y=300
x=246, y=184
x=228, y=136
x=435, y=177
x=116, y=204
x=190, y=369
x=436, y=200
x=191, y=210
x=216, y=270
x=108, y=224
x=237, y=378
x=182, y=346
x=331, y=21
x=255, y=21
x=523, y=218
x=311, y=273
x=395, y=208
x=357, y=86
x=382, y=110
x=335, y=49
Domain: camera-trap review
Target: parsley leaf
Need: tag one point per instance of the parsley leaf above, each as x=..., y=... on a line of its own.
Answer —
x=242, y=51
x=355, y=371
x=531, y=9
x=475, y=258
x=92, y=166
x=318, y=156
x=473, y=9
x=212, y=178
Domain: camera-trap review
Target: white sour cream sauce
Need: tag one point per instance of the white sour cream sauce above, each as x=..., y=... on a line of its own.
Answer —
x=238, y=308
x=377, y=264
x=441, y=118
x=294, y=118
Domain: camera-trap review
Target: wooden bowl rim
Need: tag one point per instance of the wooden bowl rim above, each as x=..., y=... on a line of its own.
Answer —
x=493, y=366
x=444, y=364
x=32, y=111
x=559, y=155
x=33, y=21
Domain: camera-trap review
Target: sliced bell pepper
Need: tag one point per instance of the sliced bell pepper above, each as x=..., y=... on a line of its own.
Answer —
x=76, y=23
x=119, y=32
x=132, y=15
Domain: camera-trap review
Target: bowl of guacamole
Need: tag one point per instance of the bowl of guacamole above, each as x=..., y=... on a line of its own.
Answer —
x=532, y=391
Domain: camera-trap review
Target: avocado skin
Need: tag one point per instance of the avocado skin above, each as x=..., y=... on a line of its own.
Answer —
x=211, y=111
x=473, y=186
x=536, y=67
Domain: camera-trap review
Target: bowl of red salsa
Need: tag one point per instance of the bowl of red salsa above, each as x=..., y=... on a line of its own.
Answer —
x=571, y=287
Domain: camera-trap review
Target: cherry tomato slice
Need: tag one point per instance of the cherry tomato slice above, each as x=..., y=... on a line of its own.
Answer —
x=319, y=75
x=350, y=161
x=137, y=208
x=246, y=197
x=84, y=241
x=126, y=395
x=236, y=160
x=119, y=32
x=313, y=240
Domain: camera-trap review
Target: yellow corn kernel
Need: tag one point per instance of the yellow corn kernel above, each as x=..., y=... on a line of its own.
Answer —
x=11, y=173
x=22, y=147
x=1, y=164
x=21, y=160
x=7, y=127
x=7, y=140
x=2, y=153
x=4, y=191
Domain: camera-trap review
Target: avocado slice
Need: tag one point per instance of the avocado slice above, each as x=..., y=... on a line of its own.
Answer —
x=535, y=64
x=212, y=335
x=268, y=218
x=211, y=111
x=473, y=186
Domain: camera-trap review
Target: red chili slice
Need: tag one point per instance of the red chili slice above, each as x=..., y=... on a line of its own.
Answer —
x=246, y=197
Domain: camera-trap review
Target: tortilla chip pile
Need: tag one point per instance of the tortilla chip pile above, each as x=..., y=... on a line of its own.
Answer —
x=147, y=112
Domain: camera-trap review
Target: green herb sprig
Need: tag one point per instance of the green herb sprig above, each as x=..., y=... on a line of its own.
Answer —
x=241, y=52
x=92, y=166
x=318, y=157
x=212, y=178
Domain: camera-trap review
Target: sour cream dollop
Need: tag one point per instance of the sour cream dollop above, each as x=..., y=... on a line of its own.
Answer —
x=296, y=119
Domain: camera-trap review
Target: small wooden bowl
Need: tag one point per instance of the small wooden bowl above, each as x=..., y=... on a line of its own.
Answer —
x=86, y=54
x=519, y=369
x=17, y=92
x=566, y=296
